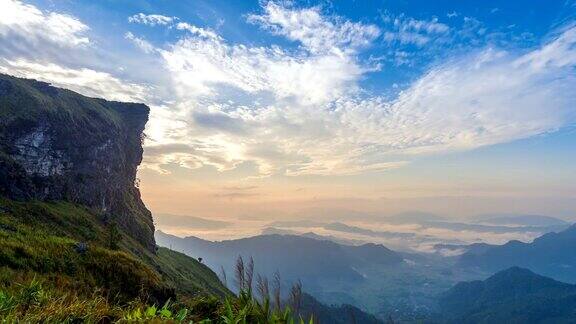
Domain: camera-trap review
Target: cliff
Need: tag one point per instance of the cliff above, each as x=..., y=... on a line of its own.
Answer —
x=57, y=145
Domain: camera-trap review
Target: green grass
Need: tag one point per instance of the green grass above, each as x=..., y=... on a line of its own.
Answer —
x=44, y=278
x=62, y=103
x=41, y=237
x=188, y=274
x=25, y=298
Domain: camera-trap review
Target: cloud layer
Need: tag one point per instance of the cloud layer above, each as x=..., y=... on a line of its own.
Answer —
x=302, y=111
x=298, y=106
x=29, y=24
x=86, y=81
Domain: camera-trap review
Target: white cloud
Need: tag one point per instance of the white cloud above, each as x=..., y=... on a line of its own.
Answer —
x=53, y=47
x=557, y=54
x=196, y=30
x=232, y=92
x=315, y=31
x=23, y=25
x=85, y=81
x=293, y=112
x=479, y=100
x=200, y=65
x=303, y=111
x=406, y=30
x=172, y=22
x=151, y=20
x=141, y=43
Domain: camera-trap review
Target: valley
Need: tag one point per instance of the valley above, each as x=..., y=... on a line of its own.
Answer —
x=288, y=162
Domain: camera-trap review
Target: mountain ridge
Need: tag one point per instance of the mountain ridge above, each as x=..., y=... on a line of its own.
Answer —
x=296, y=256
x=514, y=295
x=547, y=254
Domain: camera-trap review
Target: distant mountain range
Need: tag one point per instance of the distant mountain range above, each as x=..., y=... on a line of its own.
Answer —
x=474, y=228
x=339, y=240
x=552, y=254
x=297, y=257
x=522, y=220
x=515, y=295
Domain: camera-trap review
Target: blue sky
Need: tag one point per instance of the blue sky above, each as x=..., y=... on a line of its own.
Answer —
x=473, y=25
x=264, y=102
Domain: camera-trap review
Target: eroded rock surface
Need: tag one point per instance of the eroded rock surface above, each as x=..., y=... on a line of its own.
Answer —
x=58, y=145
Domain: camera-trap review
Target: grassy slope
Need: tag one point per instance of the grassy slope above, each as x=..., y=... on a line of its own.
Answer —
x=37, y=240
x=37, y=96
x=188, y=275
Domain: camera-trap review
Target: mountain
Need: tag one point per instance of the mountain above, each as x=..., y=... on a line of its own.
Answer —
x=522, y=220
x=482, y=228
x=343, y=314
x=514, y=295
x=296, y=257
x=58, y=145
x=549, y=255
x=492, y=223
x=75, y=237
x=339, y=240
x=341, y=227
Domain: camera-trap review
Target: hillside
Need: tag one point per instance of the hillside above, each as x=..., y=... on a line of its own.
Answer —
x=548, y=255
x=343, y=314
x=76, y=241
x=514, y=295
x=75, y=238
x=296, y=256
x=68, y=249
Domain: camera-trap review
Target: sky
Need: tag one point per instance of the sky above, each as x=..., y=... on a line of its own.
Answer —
x=275, y=110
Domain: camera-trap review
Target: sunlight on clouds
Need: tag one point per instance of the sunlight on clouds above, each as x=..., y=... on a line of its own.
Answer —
x=557, y=54
x=279, y=90
x=141, y=43
x=301, y=110
x=28, y=24
x=306, y=107
x=197, y=30
x=32, y=41
x=85, y=81
x=200, y=66
x=316, y=32
x=212, y=151
x=481, y=100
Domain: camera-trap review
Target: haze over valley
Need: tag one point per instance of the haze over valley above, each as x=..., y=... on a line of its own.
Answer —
x=287, y=161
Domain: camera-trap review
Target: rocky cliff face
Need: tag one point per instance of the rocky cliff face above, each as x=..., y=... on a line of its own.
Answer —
x=58, y=145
